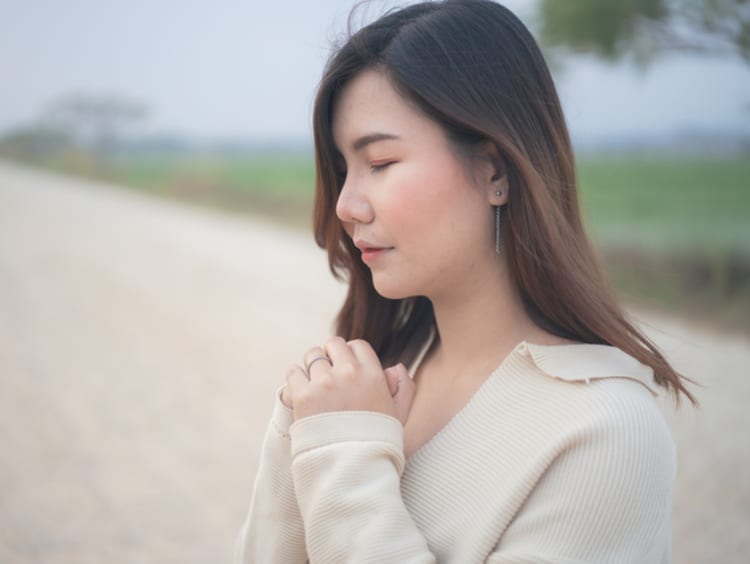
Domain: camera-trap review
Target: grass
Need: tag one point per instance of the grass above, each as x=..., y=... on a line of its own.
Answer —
x=269, y=176
x=276, y=185
x=672, y=205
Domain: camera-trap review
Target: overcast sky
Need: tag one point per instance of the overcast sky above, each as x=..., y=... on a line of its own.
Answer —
x=248, y=69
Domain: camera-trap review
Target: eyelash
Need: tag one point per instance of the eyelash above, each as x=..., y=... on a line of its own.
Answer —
x=380, y=167
x=341, y=170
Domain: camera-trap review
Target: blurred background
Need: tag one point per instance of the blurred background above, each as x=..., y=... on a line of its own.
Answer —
x=210, y=103
x=183, y=128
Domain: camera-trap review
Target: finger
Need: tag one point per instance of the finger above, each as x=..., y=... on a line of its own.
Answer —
x=296, y=380
x=340, y=353
x=286, y=397
x=315, y=357
x=404, y=396
x=364, y=354
x=392, y=375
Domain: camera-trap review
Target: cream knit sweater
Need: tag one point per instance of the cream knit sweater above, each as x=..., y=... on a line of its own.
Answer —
x=562, y=456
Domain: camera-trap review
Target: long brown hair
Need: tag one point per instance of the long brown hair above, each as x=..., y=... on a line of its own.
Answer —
x=475, y=69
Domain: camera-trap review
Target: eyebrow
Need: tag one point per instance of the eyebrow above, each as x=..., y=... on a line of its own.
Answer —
x=365, y=140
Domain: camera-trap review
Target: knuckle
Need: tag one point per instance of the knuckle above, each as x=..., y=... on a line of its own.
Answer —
x=312, y=353
x=337, y=340
x=325, y=383
x=347, y=370
x=303, y=395
x=359, y=344
x=322, y=385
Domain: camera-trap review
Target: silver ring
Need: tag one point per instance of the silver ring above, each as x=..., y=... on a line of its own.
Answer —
x=316, y=359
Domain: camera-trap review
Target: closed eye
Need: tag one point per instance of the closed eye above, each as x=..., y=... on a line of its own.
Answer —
x=377, y=167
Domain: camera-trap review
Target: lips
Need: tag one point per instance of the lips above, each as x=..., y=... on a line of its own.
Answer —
x=370, y=252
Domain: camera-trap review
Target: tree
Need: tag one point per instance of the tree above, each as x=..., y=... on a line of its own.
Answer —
x=95, y=121
x=34, y=142
x=645, y=29
x=87, y=129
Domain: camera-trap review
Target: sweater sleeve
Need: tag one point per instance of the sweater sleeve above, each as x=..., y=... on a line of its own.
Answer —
x=346, y=468
x=273, y=530
x=607, y=497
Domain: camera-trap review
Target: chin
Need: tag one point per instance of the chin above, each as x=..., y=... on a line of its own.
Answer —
x=390, y=293
x=392, y=290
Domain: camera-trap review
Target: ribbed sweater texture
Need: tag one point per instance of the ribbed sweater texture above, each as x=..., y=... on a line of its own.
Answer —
x=562, y=456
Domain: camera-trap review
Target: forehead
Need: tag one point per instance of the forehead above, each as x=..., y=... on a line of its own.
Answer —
x=368, y=103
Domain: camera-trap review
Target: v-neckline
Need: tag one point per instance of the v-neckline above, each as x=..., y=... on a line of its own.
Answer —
x=603, y=361
x=523, y=345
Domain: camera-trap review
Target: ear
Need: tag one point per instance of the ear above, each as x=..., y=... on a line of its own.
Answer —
x=497, y=190
x=494, y=175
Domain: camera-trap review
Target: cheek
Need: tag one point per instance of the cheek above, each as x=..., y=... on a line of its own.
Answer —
x=449, y=202
x=431, y=202
x=426, y=191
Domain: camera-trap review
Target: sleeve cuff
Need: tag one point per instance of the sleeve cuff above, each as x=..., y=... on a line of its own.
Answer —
x=343, y=426
x=282, y=417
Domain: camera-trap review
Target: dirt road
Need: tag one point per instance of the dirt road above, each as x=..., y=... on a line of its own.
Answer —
x=140, y=344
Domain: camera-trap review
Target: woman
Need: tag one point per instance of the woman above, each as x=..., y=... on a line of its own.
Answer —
x=524, y=429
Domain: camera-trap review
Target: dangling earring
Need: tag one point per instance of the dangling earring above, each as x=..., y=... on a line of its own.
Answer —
x=497, y=225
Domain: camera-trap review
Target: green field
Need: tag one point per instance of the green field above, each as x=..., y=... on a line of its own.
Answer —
x=277, y=185
x=267, y=176
x=674, y=232
x=675, y=205
x=656, y=204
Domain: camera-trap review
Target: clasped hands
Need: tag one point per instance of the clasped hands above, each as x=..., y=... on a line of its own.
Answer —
x=347, y=376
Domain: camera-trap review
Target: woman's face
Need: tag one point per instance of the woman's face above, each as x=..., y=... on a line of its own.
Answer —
x=422, y=218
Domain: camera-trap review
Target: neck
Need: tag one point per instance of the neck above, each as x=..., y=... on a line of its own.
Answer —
x=479, y=325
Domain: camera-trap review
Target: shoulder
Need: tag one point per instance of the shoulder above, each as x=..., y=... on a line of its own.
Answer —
x=587, y=363
x=602, y=459
x=586, y=373
x=592, y=393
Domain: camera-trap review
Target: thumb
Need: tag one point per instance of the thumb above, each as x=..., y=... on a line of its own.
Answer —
x=402, y=389
x=392, y=376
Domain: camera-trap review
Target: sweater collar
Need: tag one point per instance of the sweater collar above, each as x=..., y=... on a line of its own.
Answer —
x=573, y=363
x=586, y=362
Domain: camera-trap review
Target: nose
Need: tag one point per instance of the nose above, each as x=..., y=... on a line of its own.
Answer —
x=353, y=206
